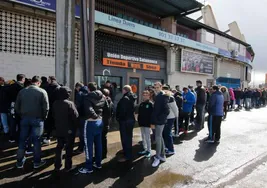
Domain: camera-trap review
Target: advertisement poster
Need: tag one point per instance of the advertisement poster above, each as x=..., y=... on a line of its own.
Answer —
x=195, y=62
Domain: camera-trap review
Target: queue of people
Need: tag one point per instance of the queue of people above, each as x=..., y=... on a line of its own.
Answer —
x=29, y=107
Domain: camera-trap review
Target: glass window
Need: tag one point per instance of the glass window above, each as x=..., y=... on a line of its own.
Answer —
x=150, y=82
x=210, y=37
x=101, y=80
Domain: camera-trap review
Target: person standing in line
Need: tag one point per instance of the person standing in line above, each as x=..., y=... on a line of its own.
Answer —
x=32, y=105
x=192, y=115
x=14, y=118
x=226, y=96
x=51, y=90
x=125, y=117
x=179, y=102
x=107, y=117
x=93, y=106
x=80, y=92
x=238, y=95
x=159, y=119
x=4, y=106
x=200, y=105
x=264, y=97
x=232, y=98
x=44, y=83
x=215, y=111
x=66, y=122
x=144, y=119
x=167, y=131
x=188, y=101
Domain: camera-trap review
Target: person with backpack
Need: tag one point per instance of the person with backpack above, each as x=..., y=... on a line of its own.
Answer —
x=65, y=115
x=107, y=116
x=159, y=119
x=144, y=120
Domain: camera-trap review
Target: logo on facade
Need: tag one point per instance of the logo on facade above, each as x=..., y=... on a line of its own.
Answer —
x=41, y=3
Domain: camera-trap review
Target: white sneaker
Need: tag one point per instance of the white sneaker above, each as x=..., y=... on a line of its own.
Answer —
x=156, y=162
x=47, y=141
x=163, y=159
x=209, y=141
x=85, y=171
x=176, y=135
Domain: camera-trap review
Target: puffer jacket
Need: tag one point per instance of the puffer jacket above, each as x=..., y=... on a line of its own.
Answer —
x=65, y=113
x=93, y=105
x=161, y=109
x=173, y=108
x=226, y=95
x=232, y=94
x=126, y=107
x=216, y=104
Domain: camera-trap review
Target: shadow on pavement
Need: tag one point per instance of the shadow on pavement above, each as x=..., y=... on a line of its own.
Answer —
x=125, y=174
x=205, y=151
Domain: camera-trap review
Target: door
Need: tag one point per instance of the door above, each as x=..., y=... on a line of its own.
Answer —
x=134, y=80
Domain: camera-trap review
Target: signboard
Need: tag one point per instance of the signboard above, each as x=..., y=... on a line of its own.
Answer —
x=129, y=58
x=196, y=62
x=130, y=64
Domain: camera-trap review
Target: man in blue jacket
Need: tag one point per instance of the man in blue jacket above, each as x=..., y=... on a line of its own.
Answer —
x=215, y=110
x=189, y=100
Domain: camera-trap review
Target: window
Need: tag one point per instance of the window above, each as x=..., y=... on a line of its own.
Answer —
x=210, y=37
x=151, y=82
x=101, y=80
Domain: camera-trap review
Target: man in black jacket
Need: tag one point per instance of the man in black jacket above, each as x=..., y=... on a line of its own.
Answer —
x=126, y=119
x=107, y=116
x=238, y=95
x=159, y=119
x=51, y=90
x=200, y=105
x=12, y=94
x=93, y=105
x=4, y=105
x=66, y=122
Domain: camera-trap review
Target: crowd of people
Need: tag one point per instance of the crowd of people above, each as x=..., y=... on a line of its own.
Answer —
x=29, y=107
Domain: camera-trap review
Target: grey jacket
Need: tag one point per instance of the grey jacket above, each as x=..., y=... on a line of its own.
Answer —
x=226, y=96
x=32, y=102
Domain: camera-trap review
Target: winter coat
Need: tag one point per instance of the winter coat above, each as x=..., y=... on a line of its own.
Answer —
x=238, y=94
x=179, y=100
x=145, y=113
x=226, y=94
x=161, y=109
x=4, y=101
x=201, y=95
x=79, y=97
x=173, y=109
x=93, y=105
x=107, y=112
x=248, y=94
x=216, y=102
x=51, y=90
x=189, y=100
x=32, y=102
x=13, y=91
x=232, y=94
x=126, y=107
x=65, y=113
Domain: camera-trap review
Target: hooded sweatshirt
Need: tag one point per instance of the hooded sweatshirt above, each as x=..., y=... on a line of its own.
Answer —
x=64, y=113
x=173, y=108
x=126, y=107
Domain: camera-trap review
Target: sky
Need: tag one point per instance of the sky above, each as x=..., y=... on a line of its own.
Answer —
x=252, y=20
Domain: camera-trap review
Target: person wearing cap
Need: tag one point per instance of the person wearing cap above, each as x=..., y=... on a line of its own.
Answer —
x=200, y=105
x=215, y=110
x=188, y=102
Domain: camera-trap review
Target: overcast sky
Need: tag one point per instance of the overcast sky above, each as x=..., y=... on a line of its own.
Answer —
x=252, y=20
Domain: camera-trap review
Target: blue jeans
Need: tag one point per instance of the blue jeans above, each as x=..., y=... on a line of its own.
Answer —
x=92, y=136
x=4, y=122
x=126, y=133
x=33, y=128
x=167, y=135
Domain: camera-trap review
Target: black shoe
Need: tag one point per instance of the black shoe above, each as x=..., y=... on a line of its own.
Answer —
x=39, y=165
x=78, y=151
x=70, y=169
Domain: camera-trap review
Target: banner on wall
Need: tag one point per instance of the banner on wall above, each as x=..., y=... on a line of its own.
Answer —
x=195, y=62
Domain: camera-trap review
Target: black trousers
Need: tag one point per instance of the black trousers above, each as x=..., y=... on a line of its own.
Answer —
x=192, y=115
x=104, y=142
x=68, y=142
x=214, y=125
x=184, y=117
x=49, y=125
x=225, y=108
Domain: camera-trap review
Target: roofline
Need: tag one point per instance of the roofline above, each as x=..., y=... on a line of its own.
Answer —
x=217, y=31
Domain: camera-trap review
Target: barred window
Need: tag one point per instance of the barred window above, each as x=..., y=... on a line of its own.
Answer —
x=23, y=34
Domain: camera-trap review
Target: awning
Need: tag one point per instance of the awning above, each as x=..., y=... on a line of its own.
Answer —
x=165, y=8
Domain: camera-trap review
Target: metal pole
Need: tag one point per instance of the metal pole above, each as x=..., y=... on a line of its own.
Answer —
x=65, y=47
x=92, y=40
x=84, y=41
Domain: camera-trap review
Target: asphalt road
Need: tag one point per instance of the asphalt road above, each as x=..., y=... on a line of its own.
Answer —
x=239, y=161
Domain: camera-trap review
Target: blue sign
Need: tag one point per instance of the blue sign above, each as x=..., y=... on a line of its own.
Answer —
x=226, y=53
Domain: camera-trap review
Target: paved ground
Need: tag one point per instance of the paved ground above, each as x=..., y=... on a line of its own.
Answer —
x=239, y=161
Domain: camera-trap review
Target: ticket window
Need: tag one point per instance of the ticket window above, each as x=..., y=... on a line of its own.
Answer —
x=134, y=80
